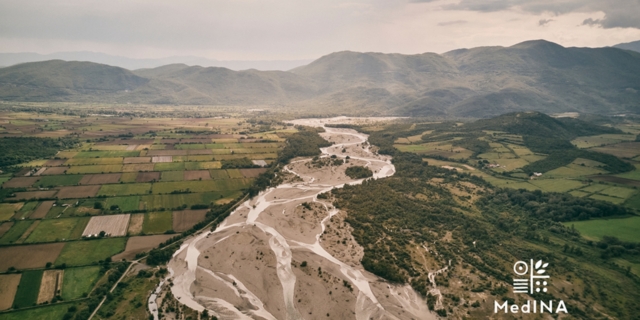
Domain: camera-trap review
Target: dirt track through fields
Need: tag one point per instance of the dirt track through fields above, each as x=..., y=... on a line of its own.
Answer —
x=113, y=225
x=51, y=285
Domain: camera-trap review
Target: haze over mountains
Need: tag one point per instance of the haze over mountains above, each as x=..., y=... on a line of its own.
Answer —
x=479, y=82
x=9, y=59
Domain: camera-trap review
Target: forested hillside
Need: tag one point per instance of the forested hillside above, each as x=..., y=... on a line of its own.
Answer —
x=478, y=231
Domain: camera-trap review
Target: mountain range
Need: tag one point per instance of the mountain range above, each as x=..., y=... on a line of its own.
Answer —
x=9, y=59
x=479, y=82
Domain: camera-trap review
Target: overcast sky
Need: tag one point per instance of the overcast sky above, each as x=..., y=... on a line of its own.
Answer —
x=306, y=29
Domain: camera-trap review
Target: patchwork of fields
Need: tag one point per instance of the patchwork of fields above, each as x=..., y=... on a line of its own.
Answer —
x=114, y=197
x=507, y=154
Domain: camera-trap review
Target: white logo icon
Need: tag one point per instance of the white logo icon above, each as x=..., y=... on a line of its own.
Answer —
x=536, y=282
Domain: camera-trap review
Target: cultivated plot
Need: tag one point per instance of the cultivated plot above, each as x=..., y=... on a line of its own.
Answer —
x=101, y=178
x=113, y=225
x=78, y=192
x=140, y=244
x=185, y=219
x=50, y=286
x=8, y=288
x=30, y=256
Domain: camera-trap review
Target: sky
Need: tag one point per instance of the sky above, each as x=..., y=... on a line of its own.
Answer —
x=306, y=29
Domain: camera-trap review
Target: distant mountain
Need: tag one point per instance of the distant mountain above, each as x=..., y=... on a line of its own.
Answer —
x=9, y=59
x=58, y=80
x=479, y=82
x=633, y=46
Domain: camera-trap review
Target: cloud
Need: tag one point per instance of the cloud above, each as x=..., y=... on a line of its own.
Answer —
x=544, y=22
x=452, y=23
x=592, y=22
x=617, y=14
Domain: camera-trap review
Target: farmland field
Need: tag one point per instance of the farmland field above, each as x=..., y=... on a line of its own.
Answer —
x=101, y=178
x=184, y=220
x=4, y=227
x=77, y=192
x=95, y=169
x=62, y=180
x=172, y=176
x=113, y=190
x=148, y=176
x=112, y=225
x=125, y=204
x=197, y=175
x=53, y=312
x=625, y=229
x=15, y=232
x=115, y=170
x=27, y=294
x=135, y=224
x=7, y=210
x=21, y=182
x=50, y=286
x=219, y=174
x=55, y=230
x=140, y=244
x=78, y=253
x=8, y=287
x=78, y=281
x=157, y=222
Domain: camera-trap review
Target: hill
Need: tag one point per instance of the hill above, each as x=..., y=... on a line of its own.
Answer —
x=61, y=80
x=479, y=82
x=633, y=46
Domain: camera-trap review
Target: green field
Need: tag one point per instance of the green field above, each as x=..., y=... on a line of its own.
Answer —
x=78, y=281
x=106, y=154
x=633, y=202
x=16, y=231
x=90, y=161
x=125, y=204
x=7, y=210
x=625, y=229
x=201, y=186
x=53, y=312
x=556, y=185
x=615, y=200
x=124, y=189
x=79, y=253
x=170, y=201
x=172, y=176
x=107, y=168
x=57, y=230
x=191, y=146
x=27, y=294
x=234, y=174
x=219, y=174
x=26, y=209
x=62, y=180
x=157, y=222
x=202, y=165
x=169, y=166
x=619, y=192
x=127, y=177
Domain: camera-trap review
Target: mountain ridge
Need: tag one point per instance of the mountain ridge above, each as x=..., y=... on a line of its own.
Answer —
x=479, y=82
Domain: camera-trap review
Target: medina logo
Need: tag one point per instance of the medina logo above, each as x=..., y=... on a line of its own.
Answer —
x=530, y=278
